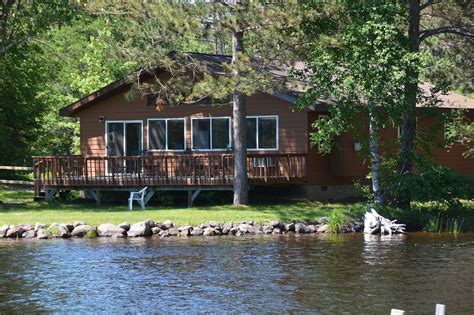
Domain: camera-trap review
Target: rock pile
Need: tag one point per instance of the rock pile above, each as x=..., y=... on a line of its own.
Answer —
x=168, y=229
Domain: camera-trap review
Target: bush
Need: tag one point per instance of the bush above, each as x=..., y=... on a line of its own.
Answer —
x=432, y=182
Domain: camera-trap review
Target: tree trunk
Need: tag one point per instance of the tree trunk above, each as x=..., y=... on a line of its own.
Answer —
x=239, y=113
x=405, y=163
x=375, y=156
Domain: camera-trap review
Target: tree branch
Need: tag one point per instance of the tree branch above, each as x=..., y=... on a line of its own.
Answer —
x=12, y=44
x=428, y=3
x=457, y=30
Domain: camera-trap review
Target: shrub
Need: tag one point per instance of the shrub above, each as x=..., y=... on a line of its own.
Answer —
x=432, y=183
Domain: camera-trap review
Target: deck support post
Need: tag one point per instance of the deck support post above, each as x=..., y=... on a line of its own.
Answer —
x=49, y=194
x=192, y=196
x=95, y=195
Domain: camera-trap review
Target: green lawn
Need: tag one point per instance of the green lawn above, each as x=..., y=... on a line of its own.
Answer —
x=70, y=211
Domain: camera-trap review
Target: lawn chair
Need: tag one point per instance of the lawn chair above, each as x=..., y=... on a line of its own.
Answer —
x=138, y=196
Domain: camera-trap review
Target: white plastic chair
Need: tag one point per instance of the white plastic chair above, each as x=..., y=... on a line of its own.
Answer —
x=138, y=196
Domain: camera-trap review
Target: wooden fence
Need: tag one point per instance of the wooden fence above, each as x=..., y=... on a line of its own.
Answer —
x=13, y=181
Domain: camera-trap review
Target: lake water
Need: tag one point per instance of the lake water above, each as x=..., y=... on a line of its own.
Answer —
x=263, y=274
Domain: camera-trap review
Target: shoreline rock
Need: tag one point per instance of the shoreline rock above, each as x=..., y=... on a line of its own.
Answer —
x=167, y=228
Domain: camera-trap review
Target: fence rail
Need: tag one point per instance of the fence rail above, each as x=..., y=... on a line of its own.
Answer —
x=161, y=170
x=16, y=168
x=15, y=181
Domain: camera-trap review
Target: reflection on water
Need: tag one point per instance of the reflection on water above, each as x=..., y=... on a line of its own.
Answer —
x=317, y=273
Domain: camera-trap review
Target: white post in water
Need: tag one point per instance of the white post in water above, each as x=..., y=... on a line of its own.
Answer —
x=440, y=309
x=397, y=312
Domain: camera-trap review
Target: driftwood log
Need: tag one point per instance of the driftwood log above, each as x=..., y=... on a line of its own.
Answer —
x=375, y=223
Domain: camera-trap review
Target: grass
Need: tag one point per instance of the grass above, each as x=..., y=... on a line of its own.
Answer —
x=335, y=219
x=428, y=217
x=435, y=217
x=74, y=210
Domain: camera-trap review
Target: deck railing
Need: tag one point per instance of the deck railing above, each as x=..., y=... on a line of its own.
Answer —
x=160, y=170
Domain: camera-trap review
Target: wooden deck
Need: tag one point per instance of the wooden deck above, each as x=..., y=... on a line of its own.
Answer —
x=188, y=170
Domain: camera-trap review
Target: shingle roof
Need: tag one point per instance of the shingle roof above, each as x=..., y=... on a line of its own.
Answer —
x=293, y=88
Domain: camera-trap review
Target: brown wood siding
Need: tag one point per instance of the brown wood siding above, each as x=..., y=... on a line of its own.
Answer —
x=321, y=167
x=344, y=165
x=292, y=125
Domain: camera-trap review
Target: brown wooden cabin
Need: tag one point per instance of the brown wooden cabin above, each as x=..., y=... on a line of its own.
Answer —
x=126, y=145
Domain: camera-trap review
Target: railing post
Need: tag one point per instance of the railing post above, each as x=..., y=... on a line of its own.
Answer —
x=166, y=169
x=223, y=168
x=265, y=170
x=86, y=170
x=289, y=166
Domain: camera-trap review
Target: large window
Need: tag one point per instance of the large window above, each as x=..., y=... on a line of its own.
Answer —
x=167, y=134
x=262, y=132
x=211, y=133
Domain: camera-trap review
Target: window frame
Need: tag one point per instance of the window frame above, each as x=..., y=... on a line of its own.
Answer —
x=166, y=134
x=210, y=133
x=123, y=122
x=257, y=117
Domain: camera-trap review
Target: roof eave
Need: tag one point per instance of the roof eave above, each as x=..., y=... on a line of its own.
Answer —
x=113, y=88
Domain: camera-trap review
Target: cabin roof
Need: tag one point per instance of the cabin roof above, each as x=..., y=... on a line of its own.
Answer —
x=451, y=100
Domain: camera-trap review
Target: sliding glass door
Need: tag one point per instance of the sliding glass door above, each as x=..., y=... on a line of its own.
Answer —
x=124, y=138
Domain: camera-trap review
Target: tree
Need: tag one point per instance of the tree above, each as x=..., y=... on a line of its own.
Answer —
x=22, y=20
x=22, y=77
x=444, y=17
x=157, y=29
x=357, y=58
x=24, y=73
x=79, y=62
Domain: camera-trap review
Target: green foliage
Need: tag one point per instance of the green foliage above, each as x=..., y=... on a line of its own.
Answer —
x=160, y=33
x=432, y=182
x=80, y=62
x=22, y=77
x=358, y=53
x=335, y=219
x=459, y=129
x=365, y=190
x=22, y=21
x=450, y=57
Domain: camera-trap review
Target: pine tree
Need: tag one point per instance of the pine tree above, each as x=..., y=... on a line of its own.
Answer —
x=161, y=34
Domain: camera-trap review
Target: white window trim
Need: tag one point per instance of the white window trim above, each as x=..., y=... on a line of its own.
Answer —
x=210, y=131
x=124, y=134
x=277, y=133
x=166, y=135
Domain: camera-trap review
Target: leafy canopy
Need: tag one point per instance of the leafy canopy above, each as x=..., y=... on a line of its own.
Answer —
x=357, y=54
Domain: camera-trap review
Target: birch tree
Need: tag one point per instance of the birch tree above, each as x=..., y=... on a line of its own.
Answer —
x=358, y=59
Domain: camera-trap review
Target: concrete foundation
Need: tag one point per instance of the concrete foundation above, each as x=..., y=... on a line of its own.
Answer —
x=332, y=192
